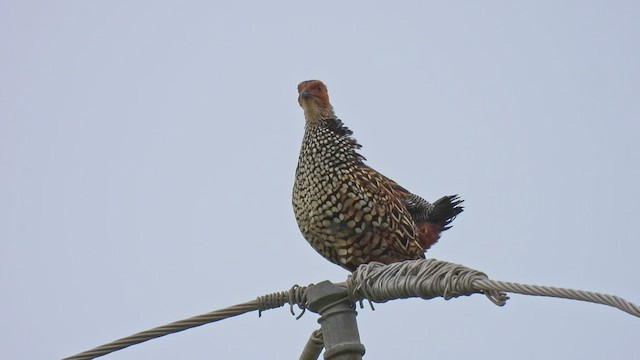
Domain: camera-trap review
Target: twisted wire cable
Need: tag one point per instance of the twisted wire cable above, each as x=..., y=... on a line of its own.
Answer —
x=294, y=296
x=558, y=292
x=378, y=283
x=432, y=278
x=426, y=279
x=171, y=328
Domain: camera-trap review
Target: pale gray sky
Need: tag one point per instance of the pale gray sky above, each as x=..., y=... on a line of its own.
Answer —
x=147, y=154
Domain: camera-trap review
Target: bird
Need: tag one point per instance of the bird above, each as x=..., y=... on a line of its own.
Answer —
x=348, y=212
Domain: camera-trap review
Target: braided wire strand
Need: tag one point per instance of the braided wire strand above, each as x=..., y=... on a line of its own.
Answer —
x=433, y=278
x=171, y=328
x=558, y=292
x=380, y=283
x=425, y=279
x=294, y=296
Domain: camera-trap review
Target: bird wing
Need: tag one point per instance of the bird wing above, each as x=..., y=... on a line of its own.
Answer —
x=425, y=219
x=395, y=219
x=418, y=207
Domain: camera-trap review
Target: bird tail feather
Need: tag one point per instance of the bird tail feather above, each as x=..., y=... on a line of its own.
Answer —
x=444, y=210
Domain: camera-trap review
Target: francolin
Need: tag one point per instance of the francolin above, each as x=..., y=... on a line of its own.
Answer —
x=350, y=213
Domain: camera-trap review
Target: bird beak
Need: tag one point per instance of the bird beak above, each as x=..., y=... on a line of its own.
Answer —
x=304, y=94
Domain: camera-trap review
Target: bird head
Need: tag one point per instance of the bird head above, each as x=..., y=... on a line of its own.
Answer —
x=314, y=100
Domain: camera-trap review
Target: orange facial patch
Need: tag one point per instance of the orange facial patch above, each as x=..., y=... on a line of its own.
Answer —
x=317, y=90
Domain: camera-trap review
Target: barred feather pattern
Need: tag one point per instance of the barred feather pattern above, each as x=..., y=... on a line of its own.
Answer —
x=350, y=213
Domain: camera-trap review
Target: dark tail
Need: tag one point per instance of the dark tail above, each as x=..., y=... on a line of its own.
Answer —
x=444, y=210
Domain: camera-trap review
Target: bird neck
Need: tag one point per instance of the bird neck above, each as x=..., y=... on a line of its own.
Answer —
x=314, y=114
x=333, y=131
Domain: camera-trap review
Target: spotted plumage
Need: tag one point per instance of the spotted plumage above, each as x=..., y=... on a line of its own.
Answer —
x=350, y=213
